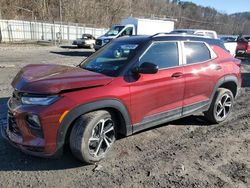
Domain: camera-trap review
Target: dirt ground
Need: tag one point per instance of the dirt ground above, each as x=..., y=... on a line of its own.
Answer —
x=184, y=153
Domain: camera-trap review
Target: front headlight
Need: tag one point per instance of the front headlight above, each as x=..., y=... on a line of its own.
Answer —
x=30, y=100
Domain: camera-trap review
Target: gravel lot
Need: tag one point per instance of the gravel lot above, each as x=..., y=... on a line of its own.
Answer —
x=184, y=153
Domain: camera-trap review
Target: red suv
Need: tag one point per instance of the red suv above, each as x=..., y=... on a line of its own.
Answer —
x=243, y=47
x=131, y=84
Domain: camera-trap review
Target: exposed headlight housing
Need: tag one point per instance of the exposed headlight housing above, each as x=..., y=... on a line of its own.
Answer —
x=37, y=100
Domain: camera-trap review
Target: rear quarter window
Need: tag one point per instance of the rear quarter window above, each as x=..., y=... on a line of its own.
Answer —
x=196, y=52
x=210, y=34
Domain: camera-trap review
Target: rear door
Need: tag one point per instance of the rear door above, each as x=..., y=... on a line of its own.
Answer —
x=158, y=96
x=200, y=73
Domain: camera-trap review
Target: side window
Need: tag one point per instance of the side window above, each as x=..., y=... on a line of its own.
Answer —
x=211, y=35
x=196, y=52
x=163, y=54
x=127, y=32
x=199, y=33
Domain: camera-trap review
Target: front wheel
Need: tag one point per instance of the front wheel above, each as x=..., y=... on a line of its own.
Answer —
x=92, y=136
x=221, y=106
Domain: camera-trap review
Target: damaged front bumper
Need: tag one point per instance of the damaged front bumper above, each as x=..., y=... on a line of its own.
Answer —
x=36, y=148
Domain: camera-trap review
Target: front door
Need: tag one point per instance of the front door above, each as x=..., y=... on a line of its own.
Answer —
x=155, y=97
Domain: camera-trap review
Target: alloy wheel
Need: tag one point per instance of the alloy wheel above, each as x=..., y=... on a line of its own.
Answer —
x=102, y=137
x=223, y=106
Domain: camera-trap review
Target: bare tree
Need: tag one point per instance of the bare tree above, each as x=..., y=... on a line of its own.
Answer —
x=104, y=13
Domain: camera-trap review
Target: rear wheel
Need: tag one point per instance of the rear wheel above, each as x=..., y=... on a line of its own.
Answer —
x=92, y=136
x=221, y=106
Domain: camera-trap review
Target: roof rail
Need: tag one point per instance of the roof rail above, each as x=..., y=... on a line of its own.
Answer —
x=155, y=35
x=178, y=34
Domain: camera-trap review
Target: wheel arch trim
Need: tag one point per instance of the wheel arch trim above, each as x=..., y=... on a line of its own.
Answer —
x=223, y=80
x=88, y=107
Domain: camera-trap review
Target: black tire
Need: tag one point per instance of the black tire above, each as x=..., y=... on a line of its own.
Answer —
x=220, y=102
x=86, y=128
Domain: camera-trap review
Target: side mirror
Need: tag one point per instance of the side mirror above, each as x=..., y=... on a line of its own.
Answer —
x=146, y=68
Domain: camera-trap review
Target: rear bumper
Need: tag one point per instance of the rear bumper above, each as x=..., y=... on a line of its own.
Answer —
x=81, y=44
x=84, y=45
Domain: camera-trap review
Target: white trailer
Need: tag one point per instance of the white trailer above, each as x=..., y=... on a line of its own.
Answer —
x=136, y=26
x=149, y=26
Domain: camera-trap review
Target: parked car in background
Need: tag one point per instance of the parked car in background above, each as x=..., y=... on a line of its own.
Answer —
x=87, y=40
x=230, y=43
x=207, y=33
x=243, y=47
x=131, y=84
x=135, y=26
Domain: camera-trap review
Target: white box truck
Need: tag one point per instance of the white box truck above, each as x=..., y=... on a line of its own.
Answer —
x=135, y=26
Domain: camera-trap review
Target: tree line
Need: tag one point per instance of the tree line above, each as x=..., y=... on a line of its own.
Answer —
x=104, y=13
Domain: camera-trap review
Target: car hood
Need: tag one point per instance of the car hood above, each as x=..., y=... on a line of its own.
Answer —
x=52, y=79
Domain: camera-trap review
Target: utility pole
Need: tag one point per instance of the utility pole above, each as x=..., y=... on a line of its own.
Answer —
x=1, y=5
x=44, y=8
x=59, y=37
x=60, y=11
x=130, y=8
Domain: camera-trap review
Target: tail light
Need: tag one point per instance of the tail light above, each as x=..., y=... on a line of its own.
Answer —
x=248, y=47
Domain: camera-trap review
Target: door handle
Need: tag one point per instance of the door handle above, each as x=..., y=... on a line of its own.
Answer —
x=177, y=74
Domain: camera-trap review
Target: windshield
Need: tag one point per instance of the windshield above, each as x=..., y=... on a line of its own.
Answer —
x=243, y=38
x=111, y=59
x=247, y=38
x=114, y=31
